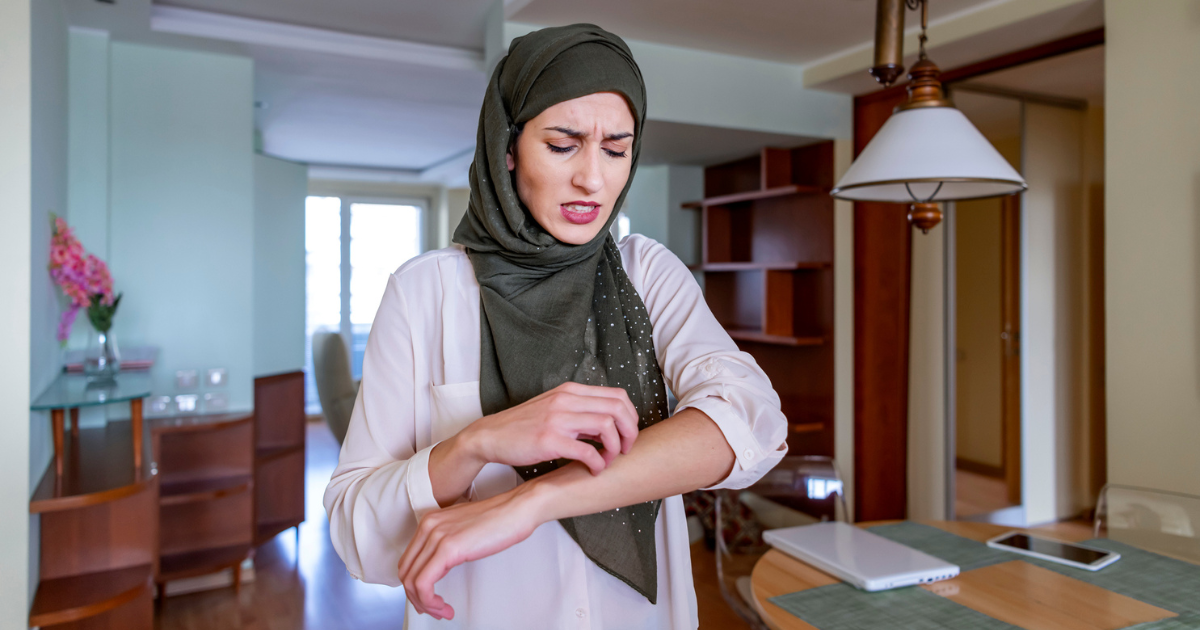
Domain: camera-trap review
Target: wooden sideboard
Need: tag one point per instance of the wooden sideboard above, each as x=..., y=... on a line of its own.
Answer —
x=205, y=507
x=205, y=490
x=99, y=534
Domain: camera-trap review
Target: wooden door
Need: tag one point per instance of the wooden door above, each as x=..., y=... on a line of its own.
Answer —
x=1010, y=337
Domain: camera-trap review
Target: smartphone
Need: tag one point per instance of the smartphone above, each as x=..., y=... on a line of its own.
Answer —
x=1069, y=554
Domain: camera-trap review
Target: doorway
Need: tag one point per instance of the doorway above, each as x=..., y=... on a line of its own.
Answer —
x=1027, y=299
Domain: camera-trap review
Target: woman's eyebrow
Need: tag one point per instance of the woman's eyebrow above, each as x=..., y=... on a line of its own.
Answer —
x=574, y=133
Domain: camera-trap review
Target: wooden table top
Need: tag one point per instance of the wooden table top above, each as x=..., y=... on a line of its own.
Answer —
x=1016, y=592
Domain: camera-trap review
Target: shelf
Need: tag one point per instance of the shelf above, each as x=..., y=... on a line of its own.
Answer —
x=192, y=563
x=177, y=492
x=806, y=427
x=780, y=191
x=97, y=468
x=265, y=453
x=750, y=334
x=205, y=422
x=62, y=600
x=270, y=529
x=760, y=266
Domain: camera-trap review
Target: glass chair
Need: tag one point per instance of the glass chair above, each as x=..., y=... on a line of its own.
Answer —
x=1163, y=522
x=799, y=491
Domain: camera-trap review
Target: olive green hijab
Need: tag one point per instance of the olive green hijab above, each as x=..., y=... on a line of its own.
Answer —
x=552, y=312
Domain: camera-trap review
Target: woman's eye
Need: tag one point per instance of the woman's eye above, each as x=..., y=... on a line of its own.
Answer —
x=557, y=149
x=615, y=154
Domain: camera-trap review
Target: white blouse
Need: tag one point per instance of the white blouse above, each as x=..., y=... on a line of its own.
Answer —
x=421, y=385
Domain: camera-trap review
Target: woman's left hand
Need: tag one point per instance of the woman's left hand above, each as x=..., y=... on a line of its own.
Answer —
x=462, y=533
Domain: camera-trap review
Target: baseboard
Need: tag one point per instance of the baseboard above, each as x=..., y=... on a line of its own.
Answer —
x=212, y=581
x=978, y=468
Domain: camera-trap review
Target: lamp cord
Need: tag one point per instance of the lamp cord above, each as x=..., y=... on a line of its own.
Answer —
x=918, y=199
x=923, y=5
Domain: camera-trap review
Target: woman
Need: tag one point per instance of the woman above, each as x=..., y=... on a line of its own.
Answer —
x=464, y=469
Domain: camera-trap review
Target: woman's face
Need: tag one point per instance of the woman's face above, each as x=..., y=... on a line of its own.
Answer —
x=572, y=162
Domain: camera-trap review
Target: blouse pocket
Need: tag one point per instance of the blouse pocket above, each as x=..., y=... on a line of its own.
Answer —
x=454, y=406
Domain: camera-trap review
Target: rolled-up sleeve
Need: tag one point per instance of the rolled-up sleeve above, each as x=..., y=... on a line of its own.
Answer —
x=381, y=487
x=704, y=368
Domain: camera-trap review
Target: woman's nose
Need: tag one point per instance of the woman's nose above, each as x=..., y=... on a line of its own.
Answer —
x=587, y=174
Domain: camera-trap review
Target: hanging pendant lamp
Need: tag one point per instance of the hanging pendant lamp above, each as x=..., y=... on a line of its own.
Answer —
x=927, y=152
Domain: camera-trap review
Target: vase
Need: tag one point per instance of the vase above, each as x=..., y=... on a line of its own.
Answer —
x=102, y=359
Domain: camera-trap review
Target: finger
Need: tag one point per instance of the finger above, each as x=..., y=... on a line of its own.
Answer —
x=431, y=573
x=611, y=440
x=426, y=552
x=596, y=427
x=583, y=452
x=416, y=544
x=626, y=420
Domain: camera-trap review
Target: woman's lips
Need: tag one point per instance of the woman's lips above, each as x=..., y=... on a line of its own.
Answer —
x=579, y=213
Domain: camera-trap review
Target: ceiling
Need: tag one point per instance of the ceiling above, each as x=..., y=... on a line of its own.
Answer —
x=457, y=23
x=791, y=31
x=1077, y=76
x=329, y=109
x=677, y=143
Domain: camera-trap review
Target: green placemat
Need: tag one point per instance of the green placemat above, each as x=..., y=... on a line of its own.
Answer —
x=1186, y=621
x=1157, y=580
x=964, y=552
x=843, y=607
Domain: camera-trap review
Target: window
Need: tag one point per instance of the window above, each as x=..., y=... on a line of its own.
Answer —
x=352, y=246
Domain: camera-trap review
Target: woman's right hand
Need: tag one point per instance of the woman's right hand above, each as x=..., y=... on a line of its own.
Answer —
x=552, y=425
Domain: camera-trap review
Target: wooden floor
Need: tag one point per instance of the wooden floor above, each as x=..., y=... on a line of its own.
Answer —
x=306, y=587
x=978, y=494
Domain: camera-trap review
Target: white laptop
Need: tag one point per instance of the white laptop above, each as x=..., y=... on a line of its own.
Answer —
x=866, y=560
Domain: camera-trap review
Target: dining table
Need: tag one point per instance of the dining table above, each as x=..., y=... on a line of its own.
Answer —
x=995, y=590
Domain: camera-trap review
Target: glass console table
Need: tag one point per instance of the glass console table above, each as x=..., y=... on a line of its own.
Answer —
x=72, y=391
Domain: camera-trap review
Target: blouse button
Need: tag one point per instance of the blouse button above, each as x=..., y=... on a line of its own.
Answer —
x=748, y=453
x=581, y=613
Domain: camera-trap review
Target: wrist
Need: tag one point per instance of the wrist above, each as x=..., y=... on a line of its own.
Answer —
x=547, y=497
x=467, y=448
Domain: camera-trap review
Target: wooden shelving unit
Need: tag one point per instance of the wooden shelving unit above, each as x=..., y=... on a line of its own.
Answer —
x=279, y=435
x=99, y=534
x=205, y=494
x=767, y=247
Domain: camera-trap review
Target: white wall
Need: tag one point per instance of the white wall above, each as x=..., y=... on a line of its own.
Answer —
x=49, y=195
x=16, y=99
x=705, y=88
x=456, y=207
x=1153, y=243
x=927, y=377
x=684, y=184
x=843, y=327
x=279, y=191
x=182, y=210
x=1050, y=213
x=647, y=203
x=87, y=197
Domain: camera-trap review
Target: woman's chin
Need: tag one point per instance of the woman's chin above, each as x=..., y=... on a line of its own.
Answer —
x=576, y=234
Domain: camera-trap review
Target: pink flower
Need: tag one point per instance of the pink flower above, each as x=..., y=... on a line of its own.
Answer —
x=81, y=276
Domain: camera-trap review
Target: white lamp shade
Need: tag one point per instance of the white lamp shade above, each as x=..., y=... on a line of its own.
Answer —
x=920, y=149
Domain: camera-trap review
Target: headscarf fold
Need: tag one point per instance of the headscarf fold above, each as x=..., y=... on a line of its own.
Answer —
x=553, y=312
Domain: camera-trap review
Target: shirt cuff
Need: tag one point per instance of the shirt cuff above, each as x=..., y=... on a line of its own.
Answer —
x=746, y=449
x=420, y=488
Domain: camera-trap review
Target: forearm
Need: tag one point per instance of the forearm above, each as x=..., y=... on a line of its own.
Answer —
x=680, y=454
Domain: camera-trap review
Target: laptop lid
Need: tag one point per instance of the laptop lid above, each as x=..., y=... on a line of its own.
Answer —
x=868, y=561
